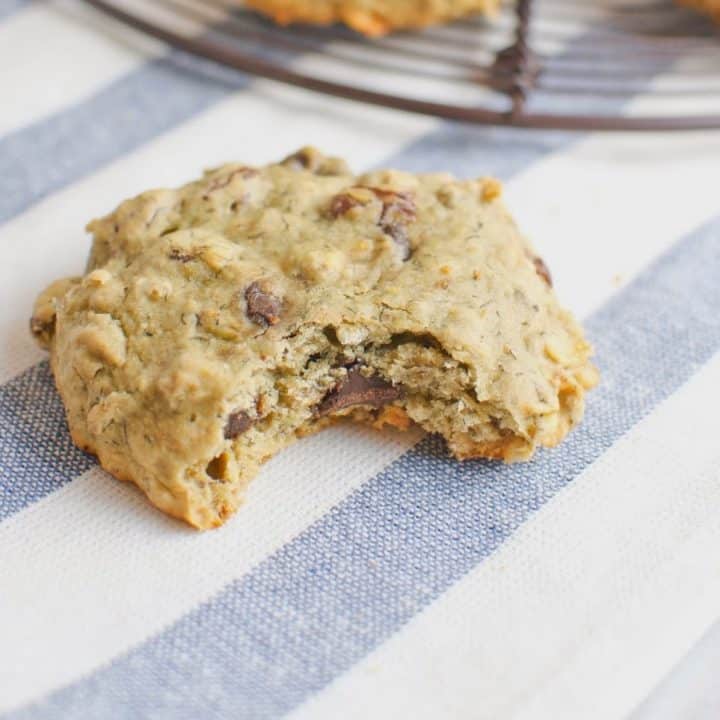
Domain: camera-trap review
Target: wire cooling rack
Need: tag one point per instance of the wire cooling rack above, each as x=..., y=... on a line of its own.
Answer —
x=566, y=64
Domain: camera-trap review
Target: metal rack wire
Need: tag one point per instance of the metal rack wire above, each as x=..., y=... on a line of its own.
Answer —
x=565, y=64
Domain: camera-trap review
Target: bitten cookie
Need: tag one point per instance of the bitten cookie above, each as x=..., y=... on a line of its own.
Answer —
x=372, y=17
x=217, y=322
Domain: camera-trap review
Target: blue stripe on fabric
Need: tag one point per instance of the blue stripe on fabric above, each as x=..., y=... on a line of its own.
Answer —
x=8, y=7
x=36, y=452
x=44, y=157
x=322, y=602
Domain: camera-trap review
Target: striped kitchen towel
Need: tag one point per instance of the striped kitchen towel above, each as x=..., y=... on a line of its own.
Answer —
x=368, y=575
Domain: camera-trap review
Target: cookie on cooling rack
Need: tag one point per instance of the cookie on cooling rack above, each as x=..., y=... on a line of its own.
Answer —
x=219, y=321
x=709, y=7
x=372, y=17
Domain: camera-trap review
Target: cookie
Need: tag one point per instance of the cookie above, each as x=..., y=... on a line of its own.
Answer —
x=372, y=17
x=217, y=322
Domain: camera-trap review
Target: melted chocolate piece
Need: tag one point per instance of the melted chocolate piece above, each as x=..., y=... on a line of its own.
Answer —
x=357, y=389
x=542, y=270
x=237, y=423
x=263, y=308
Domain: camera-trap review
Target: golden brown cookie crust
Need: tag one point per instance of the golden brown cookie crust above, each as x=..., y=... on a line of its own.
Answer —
x=219, y=321
x=372, y=17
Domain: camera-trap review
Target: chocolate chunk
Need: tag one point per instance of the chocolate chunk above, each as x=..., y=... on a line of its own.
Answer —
x=180, y=256
x=357, y=389
x=542, y=269
x=263, y=308
x=237, y=423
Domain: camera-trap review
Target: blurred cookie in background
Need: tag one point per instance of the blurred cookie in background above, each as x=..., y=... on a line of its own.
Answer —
x=372, y=17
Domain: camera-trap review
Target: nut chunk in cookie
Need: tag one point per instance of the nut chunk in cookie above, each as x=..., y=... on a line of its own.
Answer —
x=219, y=321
